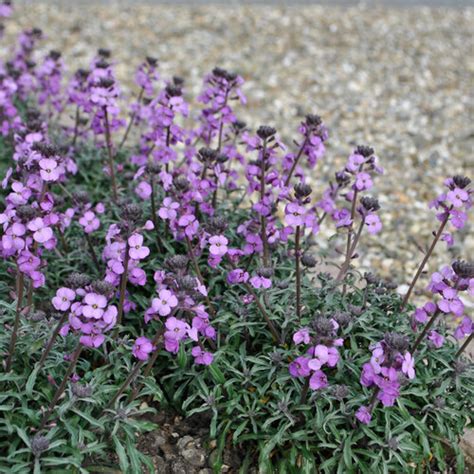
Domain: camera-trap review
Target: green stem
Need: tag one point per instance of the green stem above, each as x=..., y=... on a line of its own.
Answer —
x=62, y=387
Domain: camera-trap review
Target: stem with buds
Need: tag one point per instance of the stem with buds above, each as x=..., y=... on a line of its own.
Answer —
x=52, y=339
x=298, y=273
x=62, y=387
x=425, y=260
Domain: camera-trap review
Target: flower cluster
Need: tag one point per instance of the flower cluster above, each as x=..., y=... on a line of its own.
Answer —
x=177, y=303
x=125, y=249
x=321, y=342
x=90, y=313
x=447, y=284
x=452, y=205
x=390, y=364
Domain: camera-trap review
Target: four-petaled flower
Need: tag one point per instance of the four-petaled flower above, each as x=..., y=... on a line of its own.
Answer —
x=63, y=299
x=165, y=302
x=137, y=250
x=218, y=245
x=142, y=348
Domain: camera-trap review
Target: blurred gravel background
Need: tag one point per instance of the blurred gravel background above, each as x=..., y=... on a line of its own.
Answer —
x=399, y=79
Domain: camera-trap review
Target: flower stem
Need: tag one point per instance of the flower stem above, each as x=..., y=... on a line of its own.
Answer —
x=52, y=339
x=350, y=252
x=198, y=273
x=425, y=260
x=92, y=251
x=123, y=283
x=425, y=330
x=304, y=391
x=132, y=119
x=464, y=346
x=131, y=377
x=277, y=337
x=76, y=127
x=298, y=273
x=62, y=387
x=133, y=374
x=19, y=298
x=108, y=141
x=295, y=162
x=262, y=197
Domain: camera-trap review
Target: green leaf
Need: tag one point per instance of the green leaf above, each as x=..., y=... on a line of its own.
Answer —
x=122, y=455
x=31, y=381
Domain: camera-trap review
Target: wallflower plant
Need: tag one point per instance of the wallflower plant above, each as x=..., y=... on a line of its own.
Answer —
x=158, y=253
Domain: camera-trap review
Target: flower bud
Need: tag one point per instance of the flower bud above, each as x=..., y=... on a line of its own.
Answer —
x=181, y=183
x=265, y=132
x=463, y=269
x=77, y=280
x=396, y=341
x=370, y=203
x=102, y=287
x=131, y=212
x=177, y=262
x=461, y=181
x=25, y=212
x=81, y=391
x=309, y=260
x=365, y=151
x=104, y=53
x=37, y=316
x=302, y=190
x=39, y=444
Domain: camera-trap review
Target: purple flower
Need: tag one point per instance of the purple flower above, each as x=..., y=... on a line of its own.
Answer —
x=363, y=181
x=142, y=348
x=464, y=329
x=363, y=415
x=42, y=233
x=143, y=190
x=299, y=367
x=354, y=162
x=389, y=386
x=63, y=299
x=201, y=357
x=318, y=380
x=458, y=197
x=92, y=340
x=165, y=302
x=168, y=209
x=451, y=303
x=367, y=377
x=90, y=222
x=294, y=214
x=49, y=170
x=301, y=336
x=342, y=217
x=436, y=339
x=218, y=245
x=237, y=276
x=94, y=305
x=408, y=365
x=258, y=281
x=373, y=223
x=137, y=250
